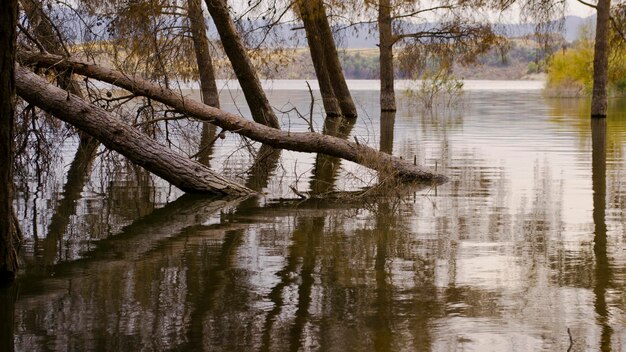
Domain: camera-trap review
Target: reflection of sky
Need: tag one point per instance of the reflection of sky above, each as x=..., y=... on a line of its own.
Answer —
x=499, y=259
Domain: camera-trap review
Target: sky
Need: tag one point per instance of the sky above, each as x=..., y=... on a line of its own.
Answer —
x=578, y=9
x=573, y=8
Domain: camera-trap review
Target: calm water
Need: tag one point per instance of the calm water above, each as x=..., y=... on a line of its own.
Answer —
x=524, y=243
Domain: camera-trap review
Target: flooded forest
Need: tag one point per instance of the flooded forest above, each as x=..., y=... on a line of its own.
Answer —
x=212, y=176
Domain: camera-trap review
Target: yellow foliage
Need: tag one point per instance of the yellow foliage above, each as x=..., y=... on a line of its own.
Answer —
x=572, y=70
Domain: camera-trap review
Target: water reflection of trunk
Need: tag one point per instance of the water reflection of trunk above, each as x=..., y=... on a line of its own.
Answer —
x=135, y=240
x=210, y=282
x=311, y=231
x=262, y=169
x=383, y=303
x=303, y=253
x=209, y=132
x=77, y=176
x=603, y=270
x=326, y=167
x=387, y=123
x=264, y=166
x=8, y=296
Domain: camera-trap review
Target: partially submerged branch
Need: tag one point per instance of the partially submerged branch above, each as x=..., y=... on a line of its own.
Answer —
x=297, y=141
x=184, y=173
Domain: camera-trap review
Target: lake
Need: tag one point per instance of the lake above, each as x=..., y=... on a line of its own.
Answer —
x=523, y=250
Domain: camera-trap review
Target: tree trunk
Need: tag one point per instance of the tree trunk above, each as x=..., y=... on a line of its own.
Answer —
x=340, y=87
x=257, y=101
x=188, y=175
x=387, y=125
x=387, y=92
x=8, y=226
x=314, y=39
x=599, y=99
x=297, y=141
x=208, y=88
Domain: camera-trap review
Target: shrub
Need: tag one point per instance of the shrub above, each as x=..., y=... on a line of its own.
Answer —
x=572, y=70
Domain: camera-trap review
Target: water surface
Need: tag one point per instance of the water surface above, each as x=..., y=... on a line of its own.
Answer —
x=525, y=242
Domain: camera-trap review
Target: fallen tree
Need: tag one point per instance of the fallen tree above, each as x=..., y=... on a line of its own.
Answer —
x=308, y=142
x=184, y=173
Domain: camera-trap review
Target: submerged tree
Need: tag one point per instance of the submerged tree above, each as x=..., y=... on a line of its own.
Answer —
x=334, y=89
x=8, y=224
x=260, y=107
x=108, y=124
x=545, y=11
x=206, y=73
x=459, y=33
x=599, y=98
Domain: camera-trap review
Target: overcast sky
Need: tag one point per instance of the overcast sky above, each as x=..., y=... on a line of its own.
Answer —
x=578, y=9
x=573, y=8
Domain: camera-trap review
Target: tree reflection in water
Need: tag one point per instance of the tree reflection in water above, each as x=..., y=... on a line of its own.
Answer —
x=494, y=261
x=602, y=267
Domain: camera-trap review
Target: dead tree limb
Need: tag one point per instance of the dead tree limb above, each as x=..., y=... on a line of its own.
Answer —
x=184, y=173
x=297, y=141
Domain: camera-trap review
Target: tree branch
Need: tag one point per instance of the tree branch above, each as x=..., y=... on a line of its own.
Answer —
x=297, y=141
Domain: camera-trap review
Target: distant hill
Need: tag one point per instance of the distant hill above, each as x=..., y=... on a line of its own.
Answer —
x=570, y=27
x=360, y=36
x=365, y=36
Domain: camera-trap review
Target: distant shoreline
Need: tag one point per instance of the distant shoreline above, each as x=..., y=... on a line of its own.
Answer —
x=374, y=85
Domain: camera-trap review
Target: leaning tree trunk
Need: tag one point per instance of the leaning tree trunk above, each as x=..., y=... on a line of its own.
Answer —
x=599, y=99
x=314, y=39
x=387, y=92
x=208, y=87
x=297, y=141
x=340, y=87
x=246, y=75
x=186, y=174
x=8, y=225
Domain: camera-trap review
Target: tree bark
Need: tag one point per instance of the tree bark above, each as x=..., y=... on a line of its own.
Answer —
x=188, y=175
x=314, y=39
x=387, y=125
x=8, y=225
x=387, y=92
x=257, y=101
x=340, y=87
x=208, y=87
x=599, y=99
x=297, y=141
